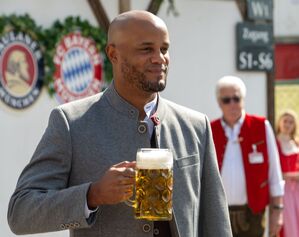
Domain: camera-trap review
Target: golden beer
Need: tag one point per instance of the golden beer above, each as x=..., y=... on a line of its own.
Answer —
x=154, y=182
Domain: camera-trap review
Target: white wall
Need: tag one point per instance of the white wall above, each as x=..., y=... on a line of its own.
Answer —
x=202, y=50
x=287, y=18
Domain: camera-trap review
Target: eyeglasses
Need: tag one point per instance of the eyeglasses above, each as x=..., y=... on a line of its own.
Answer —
x=228, y=100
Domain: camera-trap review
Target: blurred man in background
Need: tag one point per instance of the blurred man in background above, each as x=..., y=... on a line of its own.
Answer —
x=248, y=161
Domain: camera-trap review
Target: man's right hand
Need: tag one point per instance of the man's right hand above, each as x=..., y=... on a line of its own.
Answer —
x=115, y=186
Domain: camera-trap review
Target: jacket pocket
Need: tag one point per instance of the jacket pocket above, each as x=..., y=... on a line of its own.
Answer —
x=187, y=161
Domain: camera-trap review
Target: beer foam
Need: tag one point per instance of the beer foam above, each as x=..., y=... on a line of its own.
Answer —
x=154, y=159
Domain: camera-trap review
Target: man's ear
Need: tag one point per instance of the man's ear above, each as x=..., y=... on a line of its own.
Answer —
x=111, y=53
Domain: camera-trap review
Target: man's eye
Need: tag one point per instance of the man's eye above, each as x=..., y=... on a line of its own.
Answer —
x=164, y=50
x=146, y=49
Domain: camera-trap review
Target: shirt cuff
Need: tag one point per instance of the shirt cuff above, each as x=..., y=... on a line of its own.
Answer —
x=277, y=190
x=87, y=211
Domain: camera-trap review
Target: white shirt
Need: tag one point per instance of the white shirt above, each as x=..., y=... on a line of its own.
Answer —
x=233, y=175
x=149, y=109
x=288, y=147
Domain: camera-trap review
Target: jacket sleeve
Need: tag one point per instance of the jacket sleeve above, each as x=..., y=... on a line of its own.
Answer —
x=42, y=200
x=214, y=217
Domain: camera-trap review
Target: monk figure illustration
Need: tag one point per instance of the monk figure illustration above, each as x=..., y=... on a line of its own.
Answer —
x=17, y=74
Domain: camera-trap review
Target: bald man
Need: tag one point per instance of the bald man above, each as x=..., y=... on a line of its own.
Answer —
x=83, y=168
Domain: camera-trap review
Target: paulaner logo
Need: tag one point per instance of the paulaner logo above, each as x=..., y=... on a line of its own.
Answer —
x=22, y=69
x=79, y=68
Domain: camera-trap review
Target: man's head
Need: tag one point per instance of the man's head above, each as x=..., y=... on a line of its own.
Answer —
x=230, y=92
x=18, y=66
x=137, y=47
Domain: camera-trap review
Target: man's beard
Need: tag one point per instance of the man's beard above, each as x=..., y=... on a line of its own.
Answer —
x=139, y=79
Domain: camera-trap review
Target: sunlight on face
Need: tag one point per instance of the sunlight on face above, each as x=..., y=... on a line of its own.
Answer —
x=229, y=104
x=287, y=124
x=145, y=58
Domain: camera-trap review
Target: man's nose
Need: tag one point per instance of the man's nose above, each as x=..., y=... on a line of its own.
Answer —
x=159, y=57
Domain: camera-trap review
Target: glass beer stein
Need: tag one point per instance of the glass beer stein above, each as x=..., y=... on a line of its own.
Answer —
x=154, y=183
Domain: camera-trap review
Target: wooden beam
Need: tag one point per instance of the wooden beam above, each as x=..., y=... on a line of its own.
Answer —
x=154, y=6
x=100, y=14
x=271, y=98
x=124, y=5
x=242, y=7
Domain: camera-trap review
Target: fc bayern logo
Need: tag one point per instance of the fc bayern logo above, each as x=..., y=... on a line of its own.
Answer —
x=22, y=68
x=79, y=68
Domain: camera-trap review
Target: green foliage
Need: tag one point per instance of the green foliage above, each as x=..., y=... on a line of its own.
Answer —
x=22, y=23
x=171, y=8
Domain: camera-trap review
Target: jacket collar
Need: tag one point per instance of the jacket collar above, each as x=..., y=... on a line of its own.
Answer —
x=125, y=108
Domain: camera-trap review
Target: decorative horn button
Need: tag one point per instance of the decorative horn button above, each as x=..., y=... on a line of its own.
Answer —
x=146, y=228
x=142, y=128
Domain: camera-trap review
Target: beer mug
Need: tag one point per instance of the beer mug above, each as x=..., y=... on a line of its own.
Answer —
x=154, y=183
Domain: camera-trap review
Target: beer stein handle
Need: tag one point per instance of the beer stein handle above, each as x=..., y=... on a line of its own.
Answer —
x=130, y=202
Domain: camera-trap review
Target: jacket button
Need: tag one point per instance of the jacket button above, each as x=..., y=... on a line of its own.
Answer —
x=156, y=231
x=142, y=128
x=76, y=224
x=146, y=228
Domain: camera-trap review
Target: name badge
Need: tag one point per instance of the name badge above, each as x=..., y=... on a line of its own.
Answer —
x=256, y=157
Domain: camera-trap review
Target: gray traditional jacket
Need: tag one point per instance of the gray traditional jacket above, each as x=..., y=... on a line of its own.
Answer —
x=84, y=138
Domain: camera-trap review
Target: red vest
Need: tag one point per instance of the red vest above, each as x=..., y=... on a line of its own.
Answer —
x=289, y=163
x=252, y=132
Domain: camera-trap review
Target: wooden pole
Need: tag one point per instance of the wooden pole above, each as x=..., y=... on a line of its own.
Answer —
x=271, y=97
x=100, y=14
x=242, y=7
x=154, y=6
x=124, y=5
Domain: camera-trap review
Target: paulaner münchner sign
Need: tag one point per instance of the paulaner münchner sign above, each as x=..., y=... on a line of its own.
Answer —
x=22, y=69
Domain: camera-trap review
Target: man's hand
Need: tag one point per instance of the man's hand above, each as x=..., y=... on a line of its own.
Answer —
x=276, y=221
x=115, y=186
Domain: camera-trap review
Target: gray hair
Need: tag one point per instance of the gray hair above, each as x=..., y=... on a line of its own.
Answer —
x=231, y=81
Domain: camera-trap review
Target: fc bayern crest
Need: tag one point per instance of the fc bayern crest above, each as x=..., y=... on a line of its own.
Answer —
x=79, y=68
x=22, y=68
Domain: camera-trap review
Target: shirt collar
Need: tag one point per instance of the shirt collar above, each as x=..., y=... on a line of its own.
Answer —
x=150, y=107
x=232, y=133
x=238, y=123
x=125, y=108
